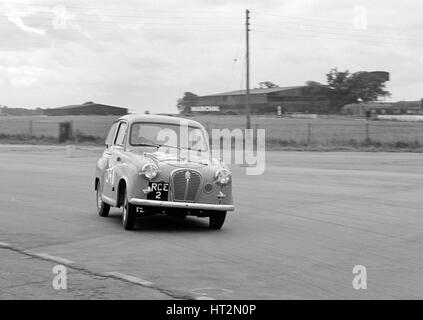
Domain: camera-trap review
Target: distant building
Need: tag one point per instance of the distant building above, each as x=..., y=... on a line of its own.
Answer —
x=263, y=100
x=408, y=107
x=304, y=99
x=400, y=107
x=88, y=108
x=360, y=109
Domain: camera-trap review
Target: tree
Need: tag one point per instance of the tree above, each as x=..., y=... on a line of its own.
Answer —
x=189, y=99
x=317, y=88
x=367, y=86
x=344, y=87
x=339, y=89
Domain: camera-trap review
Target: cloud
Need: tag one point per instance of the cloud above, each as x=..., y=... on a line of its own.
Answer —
x=22, y=76
x=19, y=22
x=48, y=16
x=144, y=54
x=15, y=14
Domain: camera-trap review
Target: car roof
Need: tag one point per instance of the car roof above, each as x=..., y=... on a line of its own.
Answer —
x=131, y=118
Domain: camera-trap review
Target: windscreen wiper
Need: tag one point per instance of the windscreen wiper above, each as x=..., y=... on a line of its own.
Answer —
x=158, y=145
x=149, y=145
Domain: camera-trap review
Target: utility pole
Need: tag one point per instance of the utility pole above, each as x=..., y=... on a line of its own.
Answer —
x=247, y=60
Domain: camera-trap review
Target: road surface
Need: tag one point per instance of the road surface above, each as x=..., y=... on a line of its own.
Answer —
x=297, y=232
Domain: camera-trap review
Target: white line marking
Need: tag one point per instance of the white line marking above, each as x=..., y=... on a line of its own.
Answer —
x=203, y=298
x=208, y=290
x=46, y=256
x=5, y=245
x=131, y=279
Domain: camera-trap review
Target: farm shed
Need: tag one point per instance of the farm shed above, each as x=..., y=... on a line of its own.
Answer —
x=88, y=108
x=360, y=109
x=263, y=100
x=400, y=107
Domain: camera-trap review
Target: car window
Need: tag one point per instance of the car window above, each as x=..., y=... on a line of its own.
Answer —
x=169, y=135
x=120, y=138
x=111, y=135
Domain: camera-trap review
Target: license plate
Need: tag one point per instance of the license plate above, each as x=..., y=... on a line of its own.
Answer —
x=159, y=191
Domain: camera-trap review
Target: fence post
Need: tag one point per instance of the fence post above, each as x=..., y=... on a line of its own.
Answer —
x=367, y=132
x=308, y=133
x=30, y=128
x=72, y=135
x=65, y=131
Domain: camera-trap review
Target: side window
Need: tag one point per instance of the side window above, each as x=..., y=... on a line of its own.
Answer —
x=111, y=135
x=120, y=138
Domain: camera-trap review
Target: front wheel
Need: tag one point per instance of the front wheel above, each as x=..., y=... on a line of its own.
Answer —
x=217, y=219
x=129, y=214
x=102, y=207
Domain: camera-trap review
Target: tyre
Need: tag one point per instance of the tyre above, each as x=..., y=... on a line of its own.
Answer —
x=217, y=219
x=102, y=207
x=129, y=214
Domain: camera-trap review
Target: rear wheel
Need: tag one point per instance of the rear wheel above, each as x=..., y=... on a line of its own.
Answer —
x=217, y=219
x=102, y=207
x=129, y=214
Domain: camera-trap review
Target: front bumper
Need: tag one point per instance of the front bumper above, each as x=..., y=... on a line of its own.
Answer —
x=181, y=205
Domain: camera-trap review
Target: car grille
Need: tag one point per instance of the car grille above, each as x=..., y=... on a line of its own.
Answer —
x=186, y=184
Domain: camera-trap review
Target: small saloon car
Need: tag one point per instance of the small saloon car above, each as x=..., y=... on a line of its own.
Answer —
x=161, y=165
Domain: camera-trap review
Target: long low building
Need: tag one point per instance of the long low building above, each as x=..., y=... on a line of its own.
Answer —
x=88, y=108
x=400, y=107
x=263, y=100
x=304, y=98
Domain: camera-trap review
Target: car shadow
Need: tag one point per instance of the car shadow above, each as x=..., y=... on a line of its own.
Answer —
x=162, y=222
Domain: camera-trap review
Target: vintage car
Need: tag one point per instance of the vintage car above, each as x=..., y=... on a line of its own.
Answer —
x=161, y=165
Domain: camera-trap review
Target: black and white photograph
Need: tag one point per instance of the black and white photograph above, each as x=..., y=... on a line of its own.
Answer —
x=228, y=151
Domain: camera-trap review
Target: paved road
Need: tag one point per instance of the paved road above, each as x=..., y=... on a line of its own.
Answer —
x=297, y=232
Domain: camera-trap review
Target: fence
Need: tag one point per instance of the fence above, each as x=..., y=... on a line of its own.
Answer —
x=334, y=132
x=281, y=131
x=82, y=128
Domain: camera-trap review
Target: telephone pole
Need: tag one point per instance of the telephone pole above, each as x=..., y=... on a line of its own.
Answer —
x=247, y=60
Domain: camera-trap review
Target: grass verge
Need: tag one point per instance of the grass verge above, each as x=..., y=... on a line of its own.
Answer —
x=271, y=144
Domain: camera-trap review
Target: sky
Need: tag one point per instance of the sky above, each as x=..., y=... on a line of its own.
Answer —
x=144, y=55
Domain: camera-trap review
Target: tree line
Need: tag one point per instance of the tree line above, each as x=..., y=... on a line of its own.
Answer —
x=344, y=87
x=5, y=110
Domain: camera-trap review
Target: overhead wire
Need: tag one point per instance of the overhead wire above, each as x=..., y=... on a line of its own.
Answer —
x=337, y=22
x=280, y=26
x=338, y=36
x=235, y=61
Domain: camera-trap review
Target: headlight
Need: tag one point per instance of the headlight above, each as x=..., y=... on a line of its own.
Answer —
x=150, y=171
x=222, y=176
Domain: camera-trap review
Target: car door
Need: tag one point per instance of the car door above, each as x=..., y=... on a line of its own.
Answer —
x=113, y=155
x=103, y=163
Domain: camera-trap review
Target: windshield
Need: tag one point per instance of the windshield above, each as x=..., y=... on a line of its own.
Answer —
x=162, y=135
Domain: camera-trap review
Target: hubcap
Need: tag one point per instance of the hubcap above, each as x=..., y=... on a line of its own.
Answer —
x=99, y=201
x=125, y=212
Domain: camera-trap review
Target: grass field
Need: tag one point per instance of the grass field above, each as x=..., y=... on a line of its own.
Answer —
x=280, y=132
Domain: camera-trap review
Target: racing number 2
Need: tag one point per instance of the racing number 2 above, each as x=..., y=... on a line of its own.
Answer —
x=159, y=190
